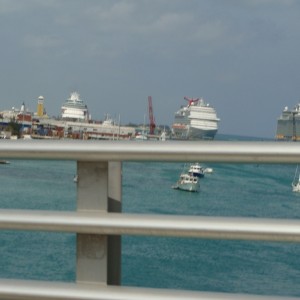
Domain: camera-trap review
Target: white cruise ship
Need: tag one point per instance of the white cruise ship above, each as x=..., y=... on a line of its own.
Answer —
x=74, y=109
x=196, y=120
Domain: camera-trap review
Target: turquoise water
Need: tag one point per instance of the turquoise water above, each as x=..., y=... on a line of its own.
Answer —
x=207, y=265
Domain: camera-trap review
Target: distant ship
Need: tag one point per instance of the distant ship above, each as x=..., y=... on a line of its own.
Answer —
x=196, y=120
x=288, y=124
x=76, y=123
x=74, y=109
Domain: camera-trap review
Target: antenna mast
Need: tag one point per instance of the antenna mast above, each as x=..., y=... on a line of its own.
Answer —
x=151, y=117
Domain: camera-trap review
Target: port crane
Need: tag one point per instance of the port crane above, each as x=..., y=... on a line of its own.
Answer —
x=151, y=117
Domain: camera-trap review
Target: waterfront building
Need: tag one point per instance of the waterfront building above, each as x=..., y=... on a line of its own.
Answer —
x=21, y=115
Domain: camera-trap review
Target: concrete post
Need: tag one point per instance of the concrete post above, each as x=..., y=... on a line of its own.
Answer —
x=99, y=187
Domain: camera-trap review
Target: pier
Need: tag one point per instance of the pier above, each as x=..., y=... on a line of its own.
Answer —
x=99, y=221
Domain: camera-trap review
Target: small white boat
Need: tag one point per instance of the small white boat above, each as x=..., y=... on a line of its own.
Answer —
x=208, y=170
x=141, y=137
x=187, y=182
x=27, y=137
x=4, y=162
x=296, y=187
x=163, y=136
x=75, y=179
x=296, y=184
x=196, y=170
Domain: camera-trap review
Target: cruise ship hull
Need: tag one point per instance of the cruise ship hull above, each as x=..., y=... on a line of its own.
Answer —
x=197, y=133
x=193, y=133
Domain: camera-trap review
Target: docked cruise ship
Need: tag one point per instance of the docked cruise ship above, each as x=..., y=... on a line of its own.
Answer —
x=288, y=124
x=196, y=120
x=74, y=109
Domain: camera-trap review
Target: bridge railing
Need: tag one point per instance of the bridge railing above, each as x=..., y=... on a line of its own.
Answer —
x=99, y=222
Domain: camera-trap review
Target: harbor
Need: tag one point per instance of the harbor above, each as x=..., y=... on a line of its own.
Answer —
x=75, y=122
x=195, y=121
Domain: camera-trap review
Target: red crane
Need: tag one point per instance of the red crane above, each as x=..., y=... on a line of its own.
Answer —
x=151, y=117
x=191, y=100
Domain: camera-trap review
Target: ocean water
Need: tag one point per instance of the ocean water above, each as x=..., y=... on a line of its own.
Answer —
x=243, y=190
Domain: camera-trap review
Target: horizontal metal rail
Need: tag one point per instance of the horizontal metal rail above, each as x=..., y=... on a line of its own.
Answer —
x=204, y=151
x=152, y=225
x=28, y=290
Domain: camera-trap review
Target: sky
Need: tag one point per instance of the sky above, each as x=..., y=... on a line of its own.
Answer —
x=241, y=56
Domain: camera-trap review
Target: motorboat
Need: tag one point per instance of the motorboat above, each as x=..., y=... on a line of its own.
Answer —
x=196, y=170
x=188, y=182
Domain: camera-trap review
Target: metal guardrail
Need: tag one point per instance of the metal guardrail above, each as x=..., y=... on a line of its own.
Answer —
x=99, y=223
x=279, y=230
x=206, y=151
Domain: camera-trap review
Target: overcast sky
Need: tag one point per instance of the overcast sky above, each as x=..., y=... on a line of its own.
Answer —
x=241, y=56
